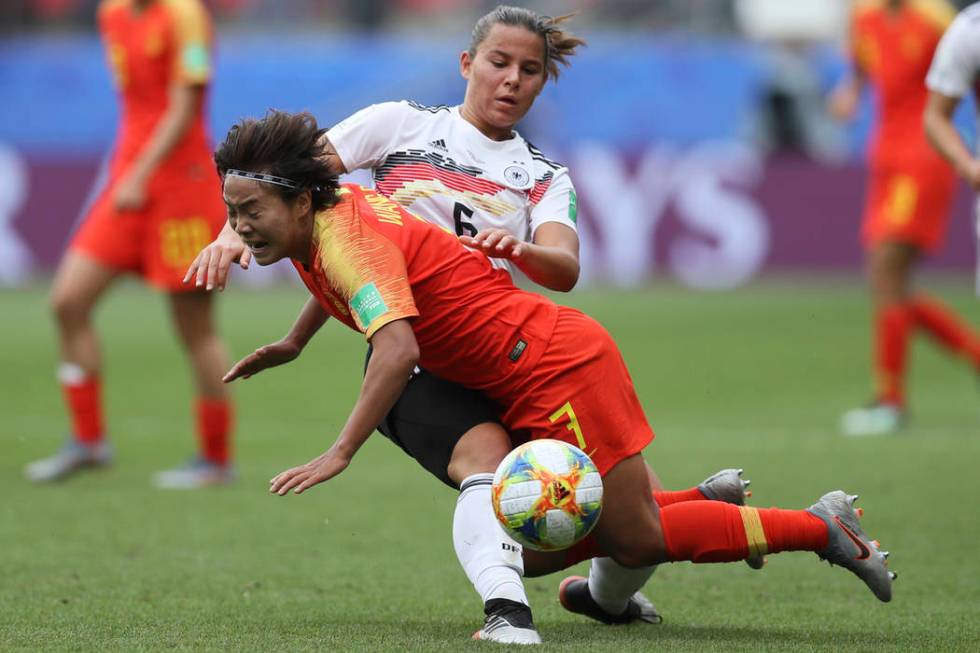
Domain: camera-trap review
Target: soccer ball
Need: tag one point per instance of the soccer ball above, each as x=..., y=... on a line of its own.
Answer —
x=547, y=494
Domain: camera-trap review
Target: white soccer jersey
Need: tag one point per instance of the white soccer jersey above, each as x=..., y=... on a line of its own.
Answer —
x=955, y=70
x=439, y=166
x=955, y=67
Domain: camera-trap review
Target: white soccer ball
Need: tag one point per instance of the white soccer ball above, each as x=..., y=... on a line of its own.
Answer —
x=547, y=494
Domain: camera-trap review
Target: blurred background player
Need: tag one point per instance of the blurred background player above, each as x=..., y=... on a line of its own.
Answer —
x=908, y=198
x=160, y=206
x=955, y=71
x=467, y=169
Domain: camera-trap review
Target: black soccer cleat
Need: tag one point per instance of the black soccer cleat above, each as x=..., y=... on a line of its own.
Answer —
x=573, y=594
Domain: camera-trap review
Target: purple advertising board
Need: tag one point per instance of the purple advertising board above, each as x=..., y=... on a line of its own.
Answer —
x=713, y=216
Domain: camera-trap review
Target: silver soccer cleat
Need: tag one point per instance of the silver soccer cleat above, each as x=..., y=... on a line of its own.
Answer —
x=72, y=457
x=872, y=420
x=849, y=547
x=194, y=474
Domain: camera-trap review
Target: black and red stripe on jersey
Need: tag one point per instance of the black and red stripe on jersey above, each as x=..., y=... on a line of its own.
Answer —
x=401, y=169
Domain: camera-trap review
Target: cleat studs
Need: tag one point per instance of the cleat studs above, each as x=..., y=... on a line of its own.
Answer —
x=748, y=493
x=859, y=511
x=746, y=483
x=876, y=544
x=739, y=470
x=892, y=575
x=852, y=499
x=885, y=554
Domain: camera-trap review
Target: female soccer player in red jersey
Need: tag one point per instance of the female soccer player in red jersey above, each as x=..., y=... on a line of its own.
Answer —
x=467, y=169
x=909, y=195
x=421, y=298
x=160, y=206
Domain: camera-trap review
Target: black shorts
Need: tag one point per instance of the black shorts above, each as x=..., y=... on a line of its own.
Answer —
x=431, y=416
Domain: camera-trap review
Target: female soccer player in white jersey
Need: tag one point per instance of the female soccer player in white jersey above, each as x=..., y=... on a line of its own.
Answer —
x=467, y=169
x=954, y=72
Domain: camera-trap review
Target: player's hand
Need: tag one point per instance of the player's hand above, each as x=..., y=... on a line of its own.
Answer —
x=496, y=243
x=972, y=174
x=278, y=353
x=129, y=194
x=210, y=268
x=843, y=102
x=322, y=468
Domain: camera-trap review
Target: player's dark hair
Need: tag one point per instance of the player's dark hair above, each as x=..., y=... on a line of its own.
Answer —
x=559, y=45
x=285, y=145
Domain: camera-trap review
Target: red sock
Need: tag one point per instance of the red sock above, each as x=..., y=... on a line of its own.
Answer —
x=946, y=327
x=714, y=531
x=84, y=400
x=214, y=423
x=589, y=547
x=892, y=326
x=666, y=498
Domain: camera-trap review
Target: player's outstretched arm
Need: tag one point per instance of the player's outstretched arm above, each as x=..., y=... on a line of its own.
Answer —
x=209, y=269
x=310, y=319
x=130, y=192
x=551, y=260
x=395, y=355
x=845, y=98
x=937, y=119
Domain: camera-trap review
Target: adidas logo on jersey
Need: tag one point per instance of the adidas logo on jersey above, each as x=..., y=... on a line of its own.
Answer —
x=439, y=144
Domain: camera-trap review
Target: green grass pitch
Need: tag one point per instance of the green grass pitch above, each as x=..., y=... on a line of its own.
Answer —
x=755, y=378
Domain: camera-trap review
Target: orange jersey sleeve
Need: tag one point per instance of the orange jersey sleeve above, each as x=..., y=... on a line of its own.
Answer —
x=192, y=41
x=366, y=270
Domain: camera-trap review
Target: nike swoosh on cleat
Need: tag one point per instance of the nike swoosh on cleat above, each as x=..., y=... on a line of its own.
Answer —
x=863, y=551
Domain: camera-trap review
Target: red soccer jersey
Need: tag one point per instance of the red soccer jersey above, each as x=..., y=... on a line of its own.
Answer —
x=555, y=372
x=372, y=263
x=894, y=49
x=149, y=50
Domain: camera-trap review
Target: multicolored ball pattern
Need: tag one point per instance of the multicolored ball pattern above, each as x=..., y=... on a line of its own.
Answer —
x=547, y=494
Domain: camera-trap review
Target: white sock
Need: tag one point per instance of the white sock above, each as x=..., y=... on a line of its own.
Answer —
x=71, y=374
x=611, y=584
x=491, y=559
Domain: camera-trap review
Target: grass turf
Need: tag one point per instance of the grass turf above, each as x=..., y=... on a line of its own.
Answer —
x=755, y=378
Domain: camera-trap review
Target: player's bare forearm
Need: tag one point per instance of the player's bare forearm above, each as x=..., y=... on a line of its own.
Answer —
x=846, y=97
x=937, y=120
x=552, y=259
x=553, y=267
x=307, y=323
x=395, y=356
x=181, y=108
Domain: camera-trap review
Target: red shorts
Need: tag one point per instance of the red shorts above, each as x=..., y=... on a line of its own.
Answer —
x=159, y=241
x=581, y=392
x=909, y=204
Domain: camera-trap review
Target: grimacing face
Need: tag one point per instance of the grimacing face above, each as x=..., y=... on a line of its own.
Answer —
x=268, y=225
x=504, y=79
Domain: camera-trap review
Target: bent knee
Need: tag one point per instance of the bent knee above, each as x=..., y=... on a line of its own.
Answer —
x=480, y=450
x=639, y=549
x=68, y=308
x=634, y=558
